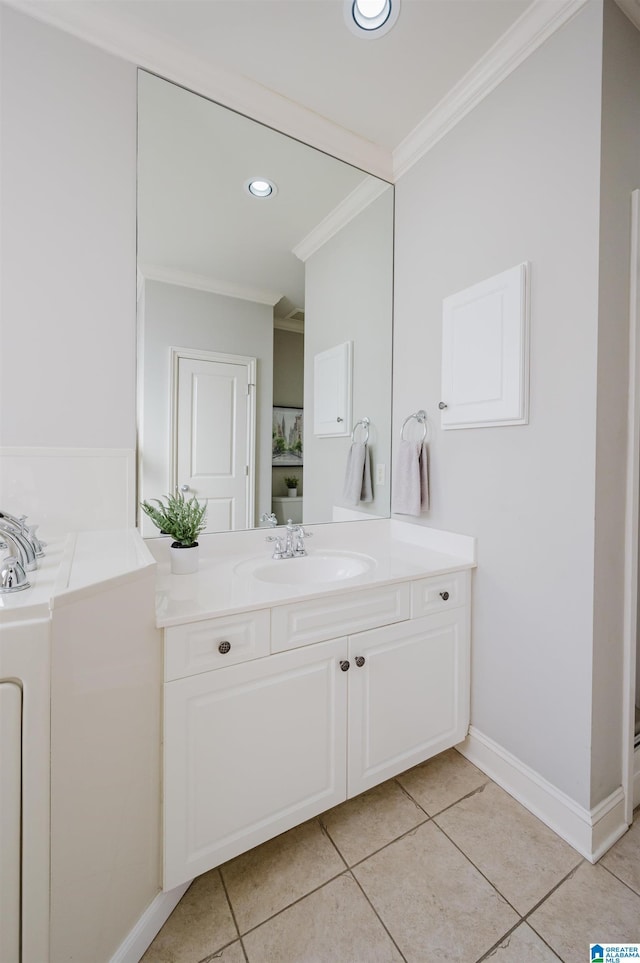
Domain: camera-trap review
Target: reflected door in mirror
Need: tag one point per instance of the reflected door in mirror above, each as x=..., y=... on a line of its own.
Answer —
x=213, y=450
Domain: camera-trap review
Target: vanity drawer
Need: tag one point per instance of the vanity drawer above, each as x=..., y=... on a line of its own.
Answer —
x=196, y=646
x=316, y=620
x=439, y=593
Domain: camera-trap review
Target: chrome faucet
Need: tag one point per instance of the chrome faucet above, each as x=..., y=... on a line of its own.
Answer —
x=29, y=532
x=23, y=548
x=291, y=544
x=269, y=519
x=12, y=573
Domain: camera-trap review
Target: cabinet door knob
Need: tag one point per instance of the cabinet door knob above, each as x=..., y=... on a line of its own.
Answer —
x=344, y=665
x=444, y=595
x=360, y=661
x=442, y=405
x=339, y=419
x=224, y=647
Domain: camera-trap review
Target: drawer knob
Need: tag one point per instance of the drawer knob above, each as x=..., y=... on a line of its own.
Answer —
x=224, y=647
x=344, y=665
x=444, y=595
x=359, y=661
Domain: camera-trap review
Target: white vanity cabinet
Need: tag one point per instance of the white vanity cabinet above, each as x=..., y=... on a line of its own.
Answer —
x=251, y=750
x=408, y=695
x=306, y=720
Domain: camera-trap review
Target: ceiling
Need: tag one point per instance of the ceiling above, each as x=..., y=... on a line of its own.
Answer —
x=301, y=49
x=378, y=89
x=198, y=224
x=377, y=103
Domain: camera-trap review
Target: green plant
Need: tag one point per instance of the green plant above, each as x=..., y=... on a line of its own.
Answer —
x=182, y=519
x=291, y=481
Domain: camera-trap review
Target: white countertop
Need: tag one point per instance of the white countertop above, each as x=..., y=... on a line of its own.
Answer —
x=398, y=552
x=76, y=565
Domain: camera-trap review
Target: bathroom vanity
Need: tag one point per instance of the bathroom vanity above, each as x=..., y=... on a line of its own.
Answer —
x=285, y=695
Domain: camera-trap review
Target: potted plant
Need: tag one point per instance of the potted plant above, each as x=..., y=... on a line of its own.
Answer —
x=292, y=485
x=183, y=520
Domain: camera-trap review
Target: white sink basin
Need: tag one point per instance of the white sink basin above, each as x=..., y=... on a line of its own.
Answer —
x=322, y=568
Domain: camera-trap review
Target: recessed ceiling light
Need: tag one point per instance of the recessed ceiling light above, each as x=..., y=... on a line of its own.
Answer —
x=371, y=18
x=261, y=187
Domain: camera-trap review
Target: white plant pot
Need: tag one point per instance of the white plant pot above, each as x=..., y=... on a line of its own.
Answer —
x=292, y=492
x=184, y=561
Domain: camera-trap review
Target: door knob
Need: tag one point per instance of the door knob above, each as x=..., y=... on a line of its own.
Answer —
x=184, y=488
x=444, y=595
x=360, y=661
x=224, y=647
x=344, y=665
x=442, y=405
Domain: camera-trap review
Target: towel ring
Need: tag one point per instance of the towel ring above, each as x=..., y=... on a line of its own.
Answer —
x=421, y=418
x=364, y=422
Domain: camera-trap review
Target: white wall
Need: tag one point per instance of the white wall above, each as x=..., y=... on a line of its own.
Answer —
x=68, y=240
x=67, y=268
x=620, y=176
x=348, y=297
x=518, y=179
x=186, y=318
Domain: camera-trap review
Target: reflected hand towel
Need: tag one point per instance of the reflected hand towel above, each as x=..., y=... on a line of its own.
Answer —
x=357, y=478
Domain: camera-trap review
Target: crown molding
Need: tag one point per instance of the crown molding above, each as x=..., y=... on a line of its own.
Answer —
x=530, y=31
x=101, y=25
x=288, y=324
x=632, y=10
x=354, y=203
x=200, y=282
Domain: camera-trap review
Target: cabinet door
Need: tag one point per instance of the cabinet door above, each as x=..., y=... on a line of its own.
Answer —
x=410, y=698
x=250, y=751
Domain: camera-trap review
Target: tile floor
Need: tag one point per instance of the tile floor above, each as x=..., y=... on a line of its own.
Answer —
x=437, y=864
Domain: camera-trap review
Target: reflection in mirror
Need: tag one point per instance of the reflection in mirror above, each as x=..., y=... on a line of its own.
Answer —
x=264, y=319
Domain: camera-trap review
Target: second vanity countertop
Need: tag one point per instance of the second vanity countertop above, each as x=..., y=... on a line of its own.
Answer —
x=393, y=550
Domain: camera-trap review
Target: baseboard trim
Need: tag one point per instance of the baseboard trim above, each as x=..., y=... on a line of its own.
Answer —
x=590, y=832
x=636, y=778
x=150, y=923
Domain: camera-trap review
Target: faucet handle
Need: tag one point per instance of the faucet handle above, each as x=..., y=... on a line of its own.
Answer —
x=278, y=550
x=269, y=519
x=12, y=576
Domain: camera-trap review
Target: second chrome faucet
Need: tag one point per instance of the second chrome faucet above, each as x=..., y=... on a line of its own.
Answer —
x=291, y=543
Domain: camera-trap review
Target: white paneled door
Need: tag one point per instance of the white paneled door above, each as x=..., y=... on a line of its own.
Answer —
x=214, y=435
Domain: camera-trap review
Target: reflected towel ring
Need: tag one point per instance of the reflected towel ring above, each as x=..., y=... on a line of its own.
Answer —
x=421, y=418
x=364, y=422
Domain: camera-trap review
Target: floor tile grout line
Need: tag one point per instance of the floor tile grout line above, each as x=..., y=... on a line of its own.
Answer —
x=396, y=839
x=377, y=914
x=620, y=880
x=409, y=796
x=553, y=889
x=498, y=943
x=468, y=795
x=294, y=902
x=326, y=832
x=347, y=869
x=231, y=910
x=477, y=868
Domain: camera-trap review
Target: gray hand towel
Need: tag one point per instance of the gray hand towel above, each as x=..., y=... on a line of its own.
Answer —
x=357, y=478
x=411, y=479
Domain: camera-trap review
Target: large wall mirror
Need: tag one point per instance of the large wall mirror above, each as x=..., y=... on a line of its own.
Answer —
x=265, y=319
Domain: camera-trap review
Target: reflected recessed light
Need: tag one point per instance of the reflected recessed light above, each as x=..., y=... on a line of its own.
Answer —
x=371, y=18
x=261, y=187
